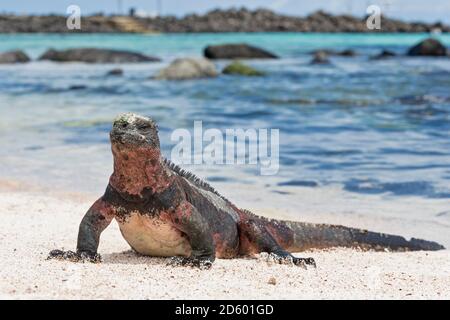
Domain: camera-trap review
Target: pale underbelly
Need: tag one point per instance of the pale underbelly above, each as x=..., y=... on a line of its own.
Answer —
x=154, y=237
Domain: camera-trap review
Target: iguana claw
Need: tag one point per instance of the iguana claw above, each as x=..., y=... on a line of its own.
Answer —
x=289, y=259
x=75, y=256
x=201, y=263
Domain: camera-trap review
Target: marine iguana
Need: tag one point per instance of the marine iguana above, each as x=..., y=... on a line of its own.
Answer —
x=165, y=211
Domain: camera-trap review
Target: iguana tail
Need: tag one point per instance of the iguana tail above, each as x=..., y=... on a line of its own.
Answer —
x=304, y=236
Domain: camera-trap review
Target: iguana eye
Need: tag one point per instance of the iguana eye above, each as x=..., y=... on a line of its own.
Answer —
x=144, y=126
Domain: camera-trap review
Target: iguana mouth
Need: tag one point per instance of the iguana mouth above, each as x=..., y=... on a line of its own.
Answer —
x=133, y=130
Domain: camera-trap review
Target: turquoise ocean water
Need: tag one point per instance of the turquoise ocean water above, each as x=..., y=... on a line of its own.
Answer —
x=366, y=126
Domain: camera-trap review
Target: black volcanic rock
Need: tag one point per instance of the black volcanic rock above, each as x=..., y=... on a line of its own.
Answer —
x=78, y=87
x=384, y=55
x=115, y=72
x=237, y=51
x=13, y=57
x=92, y=55
x=347, y=53
x=428, y=47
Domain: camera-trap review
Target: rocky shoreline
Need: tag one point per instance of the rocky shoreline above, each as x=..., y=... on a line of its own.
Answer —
x=234, y=20
x=189, y=68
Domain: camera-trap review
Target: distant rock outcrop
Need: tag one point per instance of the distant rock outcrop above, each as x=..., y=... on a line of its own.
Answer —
x=238, y=68
x=428, y=47
x=347, y=53
x=78, y=87
x=13, y=57
x=385, y=54
x=237, y=51
x=331, y=52
x=115, y=72
x=93, y=55
x=320, y=57
x=233, y=20
x=188, y=68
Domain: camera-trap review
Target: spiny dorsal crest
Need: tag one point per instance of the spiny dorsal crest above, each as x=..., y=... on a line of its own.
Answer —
x=192, y=178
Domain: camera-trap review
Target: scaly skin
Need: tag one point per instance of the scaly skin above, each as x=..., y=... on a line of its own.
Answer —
x=165, y=211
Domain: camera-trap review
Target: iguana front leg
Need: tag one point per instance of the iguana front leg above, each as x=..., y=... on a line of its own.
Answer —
x=95, y=221
x=189, y=221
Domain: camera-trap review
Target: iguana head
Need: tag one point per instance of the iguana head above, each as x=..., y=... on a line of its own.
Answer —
x=131, y=130
x=137, y=155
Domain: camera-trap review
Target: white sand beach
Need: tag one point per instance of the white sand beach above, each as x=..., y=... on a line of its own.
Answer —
x=34, y=222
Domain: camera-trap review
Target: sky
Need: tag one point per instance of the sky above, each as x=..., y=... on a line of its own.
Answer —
x=410, y=10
